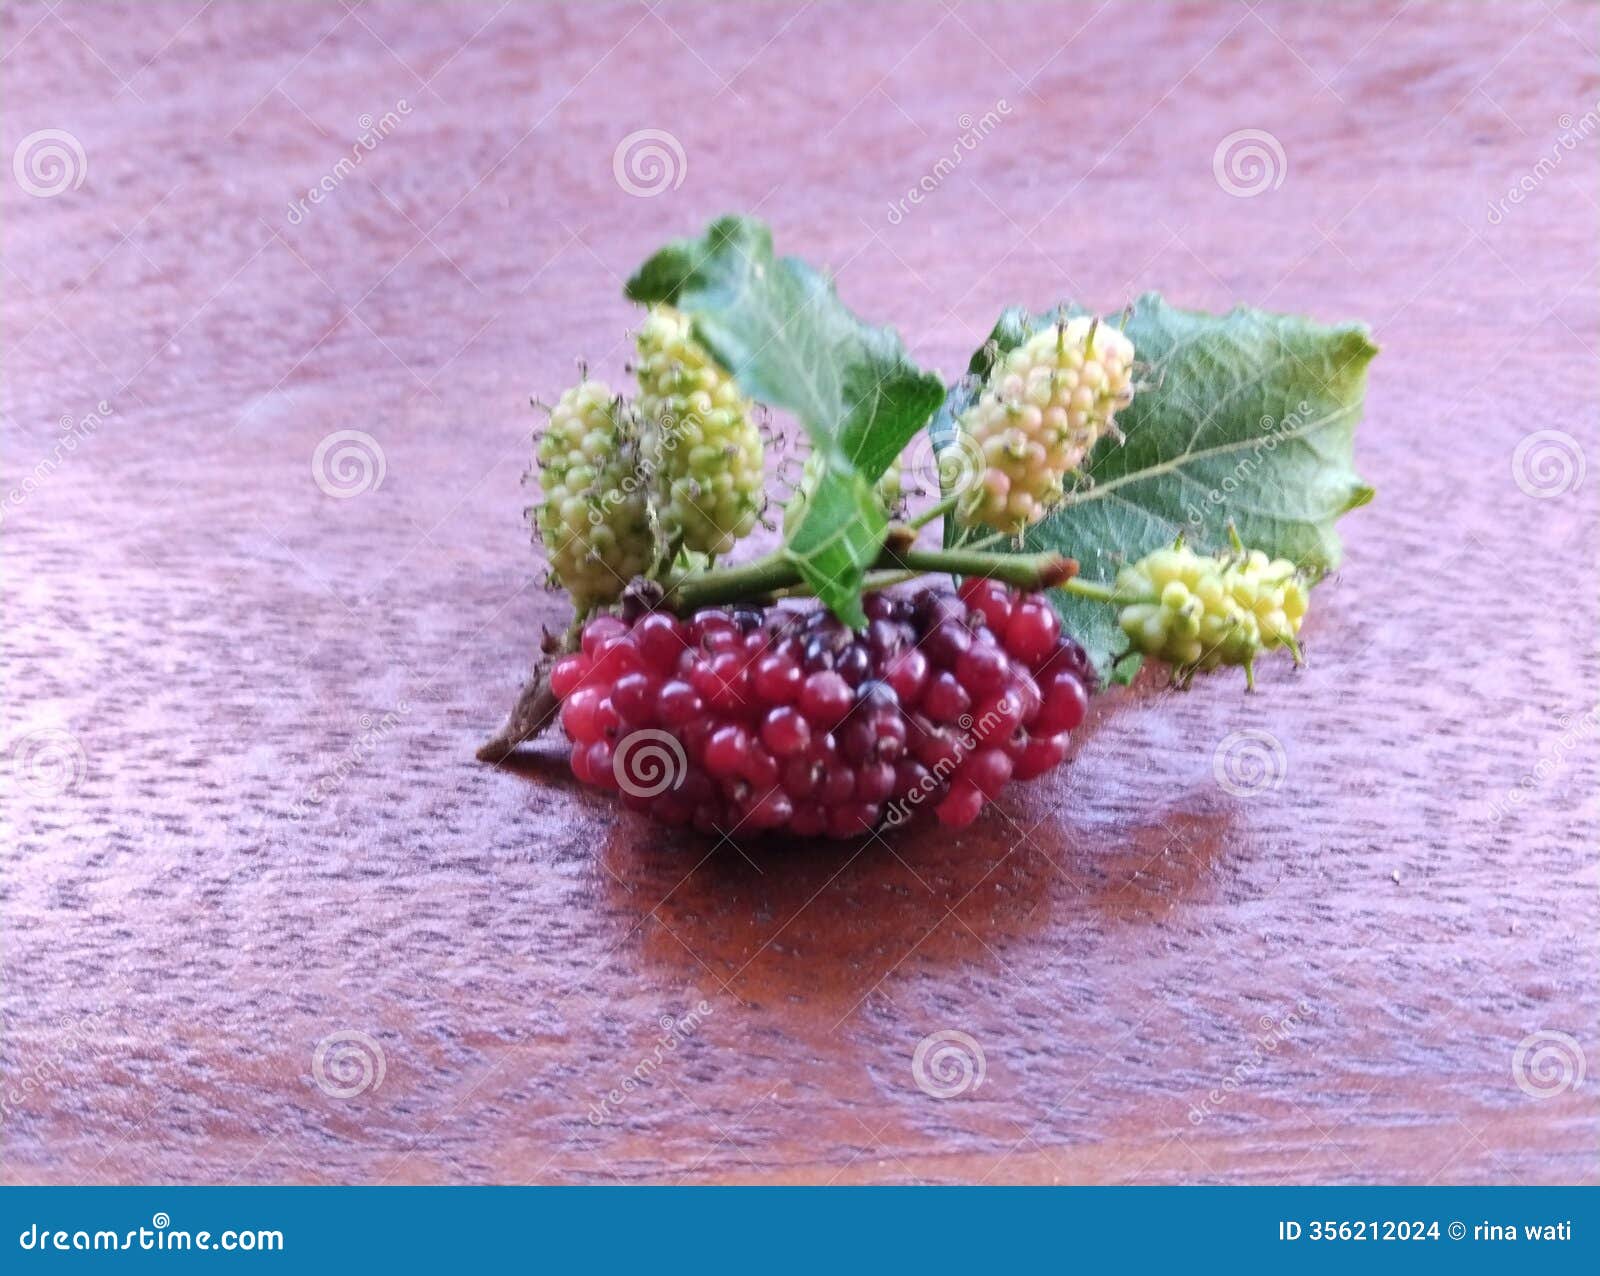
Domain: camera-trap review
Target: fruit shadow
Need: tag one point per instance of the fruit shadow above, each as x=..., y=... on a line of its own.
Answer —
x=829, y=921
x=547, y=764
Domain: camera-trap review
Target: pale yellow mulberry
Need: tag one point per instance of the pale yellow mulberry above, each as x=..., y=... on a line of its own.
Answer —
x=1045, y=405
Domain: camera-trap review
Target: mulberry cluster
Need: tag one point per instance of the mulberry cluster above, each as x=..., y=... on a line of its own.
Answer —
x=747, y=720
x=701, y=440
x=594, y=516
x=1045, y=405
x=1204, y=611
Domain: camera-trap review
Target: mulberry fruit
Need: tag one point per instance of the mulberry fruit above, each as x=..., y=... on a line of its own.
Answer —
x=746, y=720
x=1197, y=612
x=594, y=517
x=1045, y=405
x=701, y=441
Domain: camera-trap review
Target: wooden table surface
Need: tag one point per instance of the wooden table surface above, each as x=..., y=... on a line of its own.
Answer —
x=1378, y=967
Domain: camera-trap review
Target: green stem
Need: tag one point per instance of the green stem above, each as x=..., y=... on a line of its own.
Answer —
x=778, y=572
x=1077, y=585
x=1095, y=591
x=750, y=580
x=873, y=581
x=1028, y=571
x=934, y=511
x=886, y=580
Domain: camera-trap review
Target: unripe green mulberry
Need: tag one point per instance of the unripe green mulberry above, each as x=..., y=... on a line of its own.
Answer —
x=1198, y=612
x=1045, y=405
x=594, y=518
x=700, y=437
x=1272, y=590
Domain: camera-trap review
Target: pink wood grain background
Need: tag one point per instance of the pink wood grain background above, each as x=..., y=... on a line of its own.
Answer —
x=188, y=608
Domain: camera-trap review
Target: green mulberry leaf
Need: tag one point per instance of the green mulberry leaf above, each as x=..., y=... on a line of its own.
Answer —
x=780, y=329
x=1246, y=418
